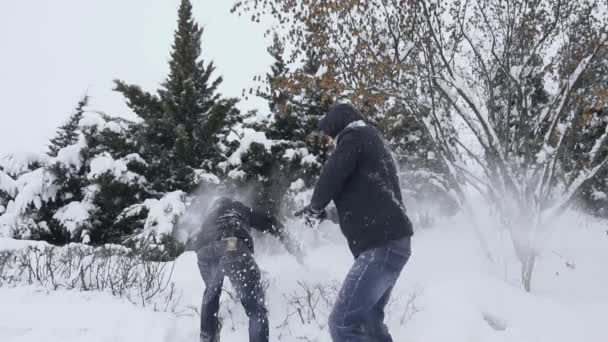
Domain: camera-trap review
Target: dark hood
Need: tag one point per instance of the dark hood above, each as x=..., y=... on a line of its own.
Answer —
x=338, y=117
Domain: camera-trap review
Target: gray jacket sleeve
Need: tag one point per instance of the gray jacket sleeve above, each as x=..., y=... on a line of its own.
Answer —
x=338, y=169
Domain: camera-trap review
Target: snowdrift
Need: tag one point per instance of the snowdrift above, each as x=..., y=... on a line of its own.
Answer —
x=449, y=291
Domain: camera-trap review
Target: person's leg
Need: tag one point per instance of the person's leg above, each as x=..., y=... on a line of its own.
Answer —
x=358, y=313
x=374, y=321
x=244, y=274
x=213, y=276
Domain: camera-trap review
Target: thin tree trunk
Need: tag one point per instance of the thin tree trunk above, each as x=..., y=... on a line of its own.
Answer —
x=527, y=270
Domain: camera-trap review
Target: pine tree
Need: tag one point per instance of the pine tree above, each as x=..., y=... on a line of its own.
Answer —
x=104, y=196
x=67, y=134
x=183, y=123
x=293, y=118
x=273, y=92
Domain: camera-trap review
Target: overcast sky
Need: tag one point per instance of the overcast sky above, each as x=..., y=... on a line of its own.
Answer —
x=52, y=52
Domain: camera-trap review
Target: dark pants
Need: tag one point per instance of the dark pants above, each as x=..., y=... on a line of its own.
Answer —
x=358, y=314
x=244, y=274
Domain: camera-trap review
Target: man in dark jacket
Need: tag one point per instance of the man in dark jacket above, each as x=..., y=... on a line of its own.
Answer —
x=225, y=248
x=361, y=178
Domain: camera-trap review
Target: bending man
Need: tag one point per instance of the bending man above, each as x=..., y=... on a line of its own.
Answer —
x=225, y=248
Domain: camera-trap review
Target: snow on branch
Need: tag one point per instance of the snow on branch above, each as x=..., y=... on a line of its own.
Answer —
x=562, y=98
x=444, y=86
x=249, y=137
x=105, y=164
x=33, y=188
x=576, y=185
x=74, y=215
x=15, y=164
x=71, y=156
x=163, y=214
x=599, y=143
x=8, y=184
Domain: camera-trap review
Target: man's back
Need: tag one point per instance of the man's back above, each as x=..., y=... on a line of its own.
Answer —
x=361, y=178
x=229, y=218
x=370, y=204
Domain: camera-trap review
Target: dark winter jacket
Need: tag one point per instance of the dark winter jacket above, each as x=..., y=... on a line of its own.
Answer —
x=361, y=178
x=228, y=218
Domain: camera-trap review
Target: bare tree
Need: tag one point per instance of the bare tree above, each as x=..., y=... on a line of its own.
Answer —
x=517, y=75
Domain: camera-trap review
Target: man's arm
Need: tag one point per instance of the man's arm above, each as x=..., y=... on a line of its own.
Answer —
x=337, y=170
x=268, y=223
x=260, y=220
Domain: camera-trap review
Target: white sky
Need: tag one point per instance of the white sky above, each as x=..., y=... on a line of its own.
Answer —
x=52, y=52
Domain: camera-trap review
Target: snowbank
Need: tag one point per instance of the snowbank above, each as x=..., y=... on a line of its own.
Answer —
x=34, y=315
x=12, y=244
x=447, y=292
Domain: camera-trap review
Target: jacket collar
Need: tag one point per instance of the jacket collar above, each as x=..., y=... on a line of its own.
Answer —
x=354, y=124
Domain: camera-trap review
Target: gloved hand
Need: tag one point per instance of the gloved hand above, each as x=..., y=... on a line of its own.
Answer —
x=311, y=216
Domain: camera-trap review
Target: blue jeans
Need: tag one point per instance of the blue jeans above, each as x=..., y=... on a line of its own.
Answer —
x=244, y=274
x=358, y=314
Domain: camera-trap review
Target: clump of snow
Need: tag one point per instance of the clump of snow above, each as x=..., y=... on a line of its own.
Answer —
x=105, y=164
x=250, y=136
x=237, y=174
x=85, y=237
x=71, y=156
x=9, y=222
x=15, y=164
x=74, y=215
x=33, y=188
x=544, y=154
x=599, y=195
x=113, y=126
x=164, y=213
x=232, y=136
x=8, y=184
x=91, y=120
x=201, y=176
x=30, y=189
x=297, y=185
x=413, y=137
x=310, y=160
x=291, y=153
x=135, y=158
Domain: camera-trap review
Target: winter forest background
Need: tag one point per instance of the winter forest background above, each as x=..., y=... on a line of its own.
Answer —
x=496, y=111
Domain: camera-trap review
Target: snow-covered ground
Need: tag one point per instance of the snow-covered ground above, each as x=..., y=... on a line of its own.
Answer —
x=448, y=292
